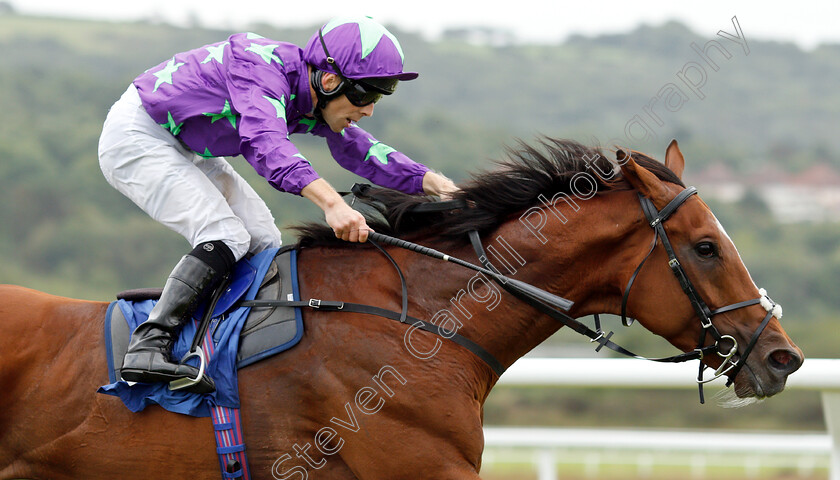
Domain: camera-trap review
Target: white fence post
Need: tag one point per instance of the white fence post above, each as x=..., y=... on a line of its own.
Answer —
x=546, y=470
x=831, y=410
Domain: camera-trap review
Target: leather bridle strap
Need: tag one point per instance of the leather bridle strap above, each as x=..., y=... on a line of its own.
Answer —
x=624, y=319
x=655, y=219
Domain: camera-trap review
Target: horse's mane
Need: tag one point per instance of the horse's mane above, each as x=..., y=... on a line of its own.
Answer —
x=493, y=196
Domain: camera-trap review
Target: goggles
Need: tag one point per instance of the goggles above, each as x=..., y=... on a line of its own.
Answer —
x=360, y=96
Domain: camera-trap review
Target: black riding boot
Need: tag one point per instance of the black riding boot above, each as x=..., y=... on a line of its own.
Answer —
x=190, y=283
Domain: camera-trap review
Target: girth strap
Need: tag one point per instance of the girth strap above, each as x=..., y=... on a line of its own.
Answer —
x=333, y=306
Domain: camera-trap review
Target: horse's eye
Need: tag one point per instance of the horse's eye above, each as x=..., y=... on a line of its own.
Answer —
x=706, y=249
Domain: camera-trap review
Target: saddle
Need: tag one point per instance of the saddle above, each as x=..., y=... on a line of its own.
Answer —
x=235, y=338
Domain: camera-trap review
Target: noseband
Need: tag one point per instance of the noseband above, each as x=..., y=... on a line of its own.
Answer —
x=732, y=359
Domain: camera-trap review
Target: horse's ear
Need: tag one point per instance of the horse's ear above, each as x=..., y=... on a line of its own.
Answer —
x=674, y=159
x=640, y=178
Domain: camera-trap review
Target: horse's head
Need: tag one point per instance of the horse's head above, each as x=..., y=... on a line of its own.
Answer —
x=700, y=280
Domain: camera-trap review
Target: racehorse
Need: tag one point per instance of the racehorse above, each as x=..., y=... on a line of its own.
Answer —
x=371, y=398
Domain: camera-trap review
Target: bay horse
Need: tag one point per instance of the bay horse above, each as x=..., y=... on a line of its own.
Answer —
x=371, y=398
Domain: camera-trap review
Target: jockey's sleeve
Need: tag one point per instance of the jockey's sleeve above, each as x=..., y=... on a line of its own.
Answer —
x=357, y=151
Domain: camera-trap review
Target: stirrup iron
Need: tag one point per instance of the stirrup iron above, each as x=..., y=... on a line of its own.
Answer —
x=187, y=382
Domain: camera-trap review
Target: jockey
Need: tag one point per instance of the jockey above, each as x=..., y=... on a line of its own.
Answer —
x=162, y=144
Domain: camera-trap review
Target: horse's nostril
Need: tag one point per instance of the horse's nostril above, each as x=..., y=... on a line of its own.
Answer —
x=784, y=361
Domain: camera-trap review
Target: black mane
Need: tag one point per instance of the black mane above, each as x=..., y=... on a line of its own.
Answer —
x=510, y=188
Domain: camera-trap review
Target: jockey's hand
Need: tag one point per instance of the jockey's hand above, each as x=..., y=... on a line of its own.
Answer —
x=437, y=184
x=348, y=224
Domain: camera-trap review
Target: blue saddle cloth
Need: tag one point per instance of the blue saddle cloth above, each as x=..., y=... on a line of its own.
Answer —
x=223, y=335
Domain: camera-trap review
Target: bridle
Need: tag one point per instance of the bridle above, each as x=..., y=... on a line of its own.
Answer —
x=732, y=360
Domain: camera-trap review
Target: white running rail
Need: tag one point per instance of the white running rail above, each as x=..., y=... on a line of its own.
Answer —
x=821, y=375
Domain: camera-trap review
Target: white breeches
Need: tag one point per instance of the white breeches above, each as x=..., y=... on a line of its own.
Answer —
x=203, y=199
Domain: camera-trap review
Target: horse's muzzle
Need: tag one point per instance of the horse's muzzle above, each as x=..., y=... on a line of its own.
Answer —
x=770, y=377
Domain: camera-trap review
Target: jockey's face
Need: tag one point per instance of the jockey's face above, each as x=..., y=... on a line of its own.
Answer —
x=340, y=113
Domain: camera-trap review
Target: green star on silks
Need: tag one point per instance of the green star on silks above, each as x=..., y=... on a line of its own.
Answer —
x=309, y=122
x=266, y=52
x=215, y=53
x=170, y=125
x=226, y=112
x=300, y=155
x=379, y=151
x=370, y=31
x=279, y=105
x=165, y=75
x=206, y=153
